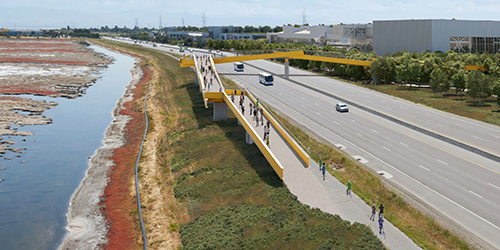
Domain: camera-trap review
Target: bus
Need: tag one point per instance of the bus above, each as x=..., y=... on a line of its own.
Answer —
x=266, y=78
x=238, y=66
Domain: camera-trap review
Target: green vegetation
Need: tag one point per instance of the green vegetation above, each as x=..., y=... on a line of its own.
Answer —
x=420, y=228
x=231, y=194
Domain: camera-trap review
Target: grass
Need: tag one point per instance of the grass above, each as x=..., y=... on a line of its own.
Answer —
x=229, y=195
x=418, y=227
x=450, y=102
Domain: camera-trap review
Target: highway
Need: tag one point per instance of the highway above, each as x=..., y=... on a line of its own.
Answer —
x=447, y=179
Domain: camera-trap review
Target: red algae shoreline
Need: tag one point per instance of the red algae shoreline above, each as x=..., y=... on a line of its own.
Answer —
x=119, y=204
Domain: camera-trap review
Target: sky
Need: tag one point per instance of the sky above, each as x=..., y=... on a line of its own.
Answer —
x=37, y=14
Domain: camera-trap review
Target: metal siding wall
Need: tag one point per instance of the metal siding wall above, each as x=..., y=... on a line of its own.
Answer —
x=443, y=29
x=394, y=36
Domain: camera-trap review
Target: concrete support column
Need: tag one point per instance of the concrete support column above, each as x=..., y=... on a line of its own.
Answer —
x=287, y=69
x=196, y=78
x=249, y=139
x=220, y=111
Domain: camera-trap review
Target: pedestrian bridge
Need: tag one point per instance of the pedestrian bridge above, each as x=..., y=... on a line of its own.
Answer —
x=213, y=91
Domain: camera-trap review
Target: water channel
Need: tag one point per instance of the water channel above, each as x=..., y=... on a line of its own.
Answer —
x=35, y=195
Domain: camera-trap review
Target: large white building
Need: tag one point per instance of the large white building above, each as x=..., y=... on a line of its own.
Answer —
x=436, y=35
x=336, y=35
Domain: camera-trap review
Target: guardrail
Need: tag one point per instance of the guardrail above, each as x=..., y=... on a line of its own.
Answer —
x=201, y=83
x=295, y=146
x=278, y=168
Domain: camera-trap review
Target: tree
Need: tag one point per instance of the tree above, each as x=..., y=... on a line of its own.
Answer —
x=459, y=81
x=478, y=85
x=440, y=81
x=496, y=90
x=383, y=69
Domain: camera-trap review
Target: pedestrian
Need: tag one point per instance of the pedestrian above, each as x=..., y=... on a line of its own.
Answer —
x=320, y=163
x=241, y=102
x=380, y=224
x=257, y=121
x=232, y=97
x=250, y=108
x=255, y=112
x=211, y=80
x=267, y=140
x=324, y=170
x=349, y=188
x=268, y=123
x=261, y=112
x=242, y=110
x=257, y=104
x=374, y=211
x=265, y=133
x=380, y=210
x=261, y=120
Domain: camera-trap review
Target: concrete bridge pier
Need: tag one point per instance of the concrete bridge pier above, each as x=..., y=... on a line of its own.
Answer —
x=249, y=139
x=196, y=81
x=287, y=69
x=220, y=111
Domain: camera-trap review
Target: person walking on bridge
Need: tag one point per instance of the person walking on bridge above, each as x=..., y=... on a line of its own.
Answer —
x=320, y=163
x=380, y=210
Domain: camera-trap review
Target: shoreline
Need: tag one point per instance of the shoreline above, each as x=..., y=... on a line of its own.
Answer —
x=88, y=227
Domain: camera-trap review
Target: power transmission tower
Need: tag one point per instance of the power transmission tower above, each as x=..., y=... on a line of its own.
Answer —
x=203, y=20
x=160, y=27
x=304, y=16
x=183, y=22
x=136, y=23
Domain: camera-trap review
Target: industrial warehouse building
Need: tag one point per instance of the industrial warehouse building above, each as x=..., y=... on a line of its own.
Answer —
x=342, y=35
x=436, y=35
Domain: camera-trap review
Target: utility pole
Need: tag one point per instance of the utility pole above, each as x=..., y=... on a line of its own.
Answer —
x=304, y=16
x=160, y=27
x=203, y=20
x=183, y=22
x=136, y=23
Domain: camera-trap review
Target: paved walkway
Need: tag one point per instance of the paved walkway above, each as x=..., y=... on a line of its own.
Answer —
x=210, y=84
x=328, y=195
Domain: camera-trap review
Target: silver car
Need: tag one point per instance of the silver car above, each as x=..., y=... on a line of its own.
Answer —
x=341, y=107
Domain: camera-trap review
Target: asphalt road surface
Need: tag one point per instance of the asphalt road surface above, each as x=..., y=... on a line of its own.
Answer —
x=447, y=179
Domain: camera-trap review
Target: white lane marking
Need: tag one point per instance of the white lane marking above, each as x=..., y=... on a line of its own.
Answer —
x=494, y=186
x=281, y=94
x=359, y=134
x=369, y=101
x=336, y=123
x=441, y=125
x=476, y=194
x=291, y=99
x=386, y=148
x=403, y=144
x=424, y=168
x=459, y=125
x=304, y=106
x=477, y=137
x=443, y=162
x=375, y=131
x=353, y=120
x=317, y=104
x=495, y=136
x=318, y=113
x=303, y=98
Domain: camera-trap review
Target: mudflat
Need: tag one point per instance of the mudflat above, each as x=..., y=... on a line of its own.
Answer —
x=43, y=67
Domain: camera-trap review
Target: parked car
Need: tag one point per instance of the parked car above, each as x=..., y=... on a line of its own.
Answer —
x=341, y=107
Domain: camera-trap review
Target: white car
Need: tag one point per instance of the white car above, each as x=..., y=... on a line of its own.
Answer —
x=341, y=107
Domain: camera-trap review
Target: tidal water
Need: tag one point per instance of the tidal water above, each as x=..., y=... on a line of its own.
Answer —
x=35, y=195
